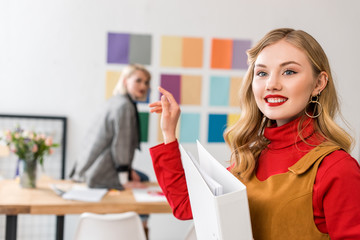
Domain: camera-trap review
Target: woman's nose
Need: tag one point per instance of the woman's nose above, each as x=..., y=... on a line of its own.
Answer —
x=273, y=83
x=142, y=85
x=145, y=86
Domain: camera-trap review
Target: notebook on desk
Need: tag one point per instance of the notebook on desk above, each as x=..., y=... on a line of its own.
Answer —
x=224, y=216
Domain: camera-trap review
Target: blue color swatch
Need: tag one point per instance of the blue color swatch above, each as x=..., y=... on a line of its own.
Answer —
x=217, y=125
x=219, y=91
x=189, y=127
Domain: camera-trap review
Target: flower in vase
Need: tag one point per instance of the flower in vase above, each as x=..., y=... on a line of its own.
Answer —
x=29, y=145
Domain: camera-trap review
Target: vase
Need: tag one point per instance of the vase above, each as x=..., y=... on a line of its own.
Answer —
x=27, y=173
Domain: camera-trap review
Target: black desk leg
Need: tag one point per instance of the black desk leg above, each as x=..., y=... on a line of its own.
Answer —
x=11, y=225
x=59, y=227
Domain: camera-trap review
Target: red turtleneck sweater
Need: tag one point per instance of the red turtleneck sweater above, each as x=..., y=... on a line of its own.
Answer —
x=336, y=193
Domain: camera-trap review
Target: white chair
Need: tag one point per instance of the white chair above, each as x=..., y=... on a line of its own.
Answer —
x=126, y=226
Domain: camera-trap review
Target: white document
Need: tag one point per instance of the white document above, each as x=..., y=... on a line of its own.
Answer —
x=149, y=194
x=222, y=217
x=80, y=193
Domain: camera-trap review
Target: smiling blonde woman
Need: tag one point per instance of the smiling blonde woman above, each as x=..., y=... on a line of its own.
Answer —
x=286, y=147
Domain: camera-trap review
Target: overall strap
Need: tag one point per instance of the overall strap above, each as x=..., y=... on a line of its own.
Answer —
x=318, y=153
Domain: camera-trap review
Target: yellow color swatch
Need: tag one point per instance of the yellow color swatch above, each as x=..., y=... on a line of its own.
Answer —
x=111, y=79
x=235, y=83
x=192, y=52
x=171, y=51
x=191, y=90
x=232, y=119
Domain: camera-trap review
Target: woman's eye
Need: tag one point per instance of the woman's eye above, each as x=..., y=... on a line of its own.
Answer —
x=289, y=72
x=261, y=74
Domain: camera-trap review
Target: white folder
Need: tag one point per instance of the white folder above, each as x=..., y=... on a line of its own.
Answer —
x=223, y=217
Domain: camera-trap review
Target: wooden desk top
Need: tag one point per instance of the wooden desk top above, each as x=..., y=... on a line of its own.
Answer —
x=43, y=200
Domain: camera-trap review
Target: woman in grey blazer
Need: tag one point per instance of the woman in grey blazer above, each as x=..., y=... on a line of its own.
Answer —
x=106, y=159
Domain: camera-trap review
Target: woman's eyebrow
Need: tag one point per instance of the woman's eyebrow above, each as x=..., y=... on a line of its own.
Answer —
x=281, y=65
x=260, y=65
x=289, y=62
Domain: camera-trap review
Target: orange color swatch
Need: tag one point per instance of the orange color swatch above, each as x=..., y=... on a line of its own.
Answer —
x=192, y=52
x=190, y=90
x=235, y=83
x=221, y=54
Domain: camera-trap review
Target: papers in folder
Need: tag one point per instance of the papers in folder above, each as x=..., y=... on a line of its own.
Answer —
x=218, y=199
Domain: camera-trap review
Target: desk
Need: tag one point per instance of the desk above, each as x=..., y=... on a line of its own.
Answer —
x=15, y=200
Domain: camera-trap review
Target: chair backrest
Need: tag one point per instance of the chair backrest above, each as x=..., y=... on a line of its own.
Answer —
x=126, y=225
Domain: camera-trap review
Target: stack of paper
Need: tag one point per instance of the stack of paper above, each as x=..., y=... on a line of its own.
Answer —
x=215, y=187
x=225, y=216
x=80, y=193
x=149, y=194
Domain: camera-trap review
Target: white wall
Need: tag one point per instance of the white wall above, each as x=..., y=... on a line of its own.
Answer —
x=53, y=56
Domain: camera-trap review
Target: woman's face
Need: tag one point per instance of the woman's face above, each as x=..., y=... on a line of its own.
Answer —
x=137, y=85
x=283, y=82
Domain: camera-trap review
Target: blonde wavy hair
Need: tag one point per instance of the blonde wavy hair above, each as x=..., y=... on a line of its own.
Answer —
x=126, y=73
x=246, y=139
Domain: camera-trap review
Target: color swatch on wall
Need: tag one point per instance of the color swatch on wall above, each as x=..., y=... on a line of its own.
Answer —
x=224, y=90
x=229, y=53
x=189, y=127
x=235, y=84
x=217, y=125
x=181, y=52
x=125, y=48
x=232, y=118
x=112, y=78
x=144, y=126
x=186, y=89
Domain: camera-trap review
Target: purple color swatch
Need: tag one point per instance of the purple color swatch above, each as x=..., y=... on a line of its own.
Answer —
x=171, y=83
x=239, y=57
x=118, y=48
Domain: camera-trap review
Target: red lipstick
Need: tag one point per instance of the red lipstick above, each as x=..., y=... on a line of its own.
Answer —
x=275, y=100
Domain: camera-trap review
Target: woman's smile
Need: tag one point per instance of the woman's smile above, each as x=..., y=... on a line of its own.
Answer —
x=275, y=100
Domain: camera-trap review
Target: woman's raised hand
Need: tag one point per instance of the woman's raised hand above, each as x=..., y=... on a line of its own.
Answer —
x=170, y=112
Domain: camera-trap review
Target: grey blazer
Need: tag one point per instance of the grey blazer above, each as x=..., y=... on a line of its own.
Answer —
x=110, y=143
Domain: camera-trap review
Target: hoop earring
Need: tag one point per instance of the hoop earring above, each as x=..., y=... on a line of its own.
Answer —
x=314, y=99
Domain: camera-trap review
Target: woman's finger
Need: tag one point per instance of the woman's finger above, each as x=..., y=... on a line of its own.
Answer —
x=168, y=95
x=154, y=104
x=156, y=109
